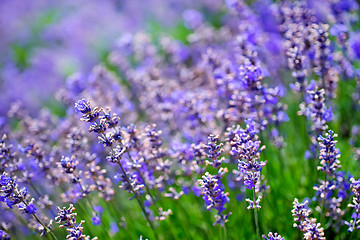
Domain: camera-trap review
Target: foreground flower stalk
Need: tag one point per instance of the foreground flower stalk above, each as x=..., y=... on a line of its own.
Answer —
x=13, y=196
x=307, y=225
x=131, y=186
x=245, y=146
x=256, y=218
x=67, y=218
x=91, y=115
x=329, y=164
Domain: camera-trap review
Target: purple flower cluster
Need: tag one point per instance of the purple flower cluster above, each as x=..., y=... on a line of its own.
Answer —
x=310, y=228
x=245, y=147
x=139, y=156
x=213, y=190
x=67, y=218
x=329, y=154
x=273, y=236
x=163, y=113
x=12, y=195
x=315, y=109
x=326, y=190
x=4, y=235
x=215, y=197
x=308, y=47
x=355, y=217
x=213, y=152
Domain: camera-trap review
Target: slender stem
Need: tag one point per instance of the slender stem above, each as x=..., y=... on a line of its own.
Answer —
x=225, y=228
x=227, y=232
x=323, y=199
x=323, y=202
x=172, y=231
x=146, y=186
x=354, y=223
x=48, y=230
x=256, y=217
x=91, y=205
x=138, y=200
x=221, y=233
x=143, y=179
x=131, y=187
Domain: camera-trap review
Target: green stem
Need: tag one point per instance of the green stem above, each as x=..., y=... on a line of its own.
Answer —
x=138, y=200
x=323, y=199
x=143, y=179
x=146, y=186
x=89, y=202
x=227, y=232
x=323, y=202
x=131, y=187
x=256, y=217
x=42, y=224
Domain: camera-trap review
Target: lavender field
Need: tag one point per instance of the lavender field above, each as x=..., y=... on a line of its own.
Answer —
x=180, y=119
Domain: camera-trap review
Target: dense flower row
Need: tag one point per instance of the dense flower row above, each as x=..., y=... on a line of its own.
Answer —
x=162, y=120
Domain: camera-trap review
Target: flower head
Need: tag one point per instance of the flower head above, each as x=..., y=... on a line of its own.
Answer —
x=273, y=236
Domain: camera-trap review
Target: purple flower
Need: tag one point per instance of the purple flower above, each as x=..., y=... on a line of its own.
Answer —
x=30, y=209
x=10, y=192
x=98, y=209
x=147, y=203
x=82, y=106
x=96, y=220
x=354, y=42
x=331, y=191
x=214, y=195
x=316, y=110
x=246, y=148
x=273, y=236
x=309, y=227
x=329, y=154
x=213, y=191
x=213, y=151
x=355, y=218
x=249, y=183
x=89, y=114
x=114, y=228
x=67, y=218
x=4, y=180
x=4, y=235
x=192, y=18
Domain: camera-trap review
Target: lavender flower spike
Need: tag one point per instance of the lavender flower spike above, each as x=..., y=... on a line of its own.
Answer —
x=214, y=196
x=329, y=154
x=355, y=218
x=82, y=106
x=213, y=150
x=89, y=114
x=67, y=218
x=309, y=227
x=315, y=109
